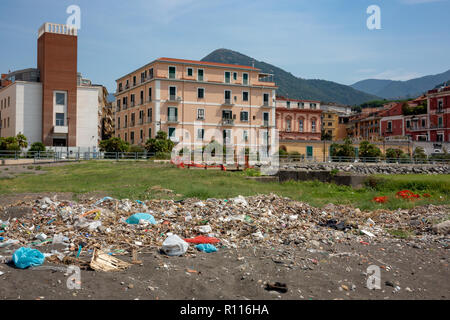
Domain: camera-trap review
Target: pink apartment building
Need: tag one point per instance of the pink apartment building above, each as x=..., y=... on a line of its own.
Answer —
x=298, y=119
x=196, y=102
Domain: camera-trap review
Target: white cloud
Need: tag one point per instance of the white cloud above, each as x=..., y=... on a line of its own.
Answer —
x=420, y=1
x=396, y=74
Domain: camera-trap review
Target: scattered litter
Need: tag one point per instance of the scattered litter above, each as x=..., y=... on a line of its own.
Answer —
x=208, y=248
x=27, y=257
x=277, y=286
x=203, y=239
x=174, y=246
x=104, y=262
x=367, y=233
x=141, y=218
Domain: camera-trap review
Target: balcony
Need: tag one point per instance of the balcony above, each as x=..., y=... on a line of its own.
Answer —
x=141, y=122
x=172, y=119
x=61, y=129
x=174, y=99
x=227, y=122
x=125, y=107
x=228, y=103
x=149, y=119
x=266, y=105
x=441, y=110
x=132, y=124
x=132, y=104
x=266, y=124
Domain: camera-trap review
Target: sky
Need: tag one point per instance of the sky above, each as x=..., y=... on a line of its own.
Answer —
x=320, y=39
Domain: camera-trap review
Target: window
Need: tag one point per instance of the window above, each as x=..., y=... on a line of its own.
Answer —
x=227, y=77
x=9, y=101
x=200, y=114
x=120, y=87
x=244, y=116
x=288, y=104
x=172, y=93
x=300, y=125
x=245, y=79
x=60, y=98
x=245, y=135
x=124, y=102
x=423, y=123
x=266, y=119
x=200, y=74
x=149, y=115
x=141, y=116
x=126, y=137
x=226, y=136
x=118, y=105
x=8, y=122
x=132, y=100
x=227, y=96
x=235, y=76
x=150, y=73
x=172, y=132
x=141, y=135
x=149, y=133
x=300, y=105
x=126, y=121
x=149, y=94
x=266, y=99
x=133, y=119
x=200, y=93
x=200, y=134
x=227, y=115
x=389, y=126
x=313, y=106
x=440, y=123
x=132, y=137
x=134, y=81
x=288, y=125
x=172, y=114
x=440, y=105
x=142, y=97
x=330, y=124
x=190, y=72
x=59, y=119
x=408, y=124
x=172, y=72
x=245, y=96
x=118, y=123
x=313, y=126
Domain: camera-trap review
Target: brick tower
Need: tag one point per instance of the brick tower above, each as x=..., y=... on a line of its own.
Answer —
x=57, y=63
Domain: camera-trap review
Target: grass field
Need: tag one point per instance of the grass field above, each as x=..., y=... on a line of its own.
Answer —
x=133, y=180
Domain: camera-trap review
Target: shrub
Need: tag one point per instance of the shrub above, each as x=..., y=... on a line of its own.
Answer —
x=344, y=150
x=136, y=149
x=419, y=154
x=159, y=144
x=114, y=145
x=368, y=151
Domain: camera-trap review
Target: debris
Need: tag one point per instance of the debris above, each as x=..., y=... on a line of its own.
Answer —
x=208, y=248
x=203, y=239
x=104, y=262
x=27, y=257
x=174, y=246
x=277, y=286
x=141, y=218
x=204, y=229
x=341, y=226
x=442, y=228
x=367, y=233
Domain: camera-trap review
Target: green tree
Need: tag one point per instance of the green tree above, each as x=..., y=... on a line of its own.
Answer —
x=368, y=150
x=419, y=154
x=114, y=145
x=159, y=144
x=345, y=150
x=22, y=141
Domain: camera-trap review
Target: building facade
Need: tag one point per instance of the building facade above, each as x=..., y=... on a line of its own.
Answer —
x=298, y=119
x=439, y=114
x=46, y=104
x=196, y=102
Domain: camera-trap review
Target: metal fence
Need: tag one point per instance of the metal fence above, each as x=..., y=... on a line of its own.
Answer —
x=59, y=156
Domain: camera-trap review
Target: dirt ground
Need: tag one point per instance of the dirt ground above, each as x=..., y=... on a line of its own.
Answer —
x=240, y=275
x=331, y=270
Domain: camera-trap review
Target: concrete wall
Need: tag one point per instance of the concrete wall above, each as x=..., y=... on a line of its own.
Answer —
x=87, y=111
x=29, y=111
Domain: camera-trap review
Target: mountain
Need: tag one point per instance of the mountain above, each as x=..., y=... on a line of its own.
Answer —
x=293, y=87
x=390, y=89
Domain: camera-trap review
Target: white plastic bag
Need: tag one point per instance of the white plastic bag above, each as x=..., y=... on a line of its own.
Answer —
x=174, y=246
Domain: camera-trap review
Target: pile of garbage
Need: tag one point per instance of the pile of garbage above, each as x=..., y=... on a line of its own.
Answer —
x=71, y=231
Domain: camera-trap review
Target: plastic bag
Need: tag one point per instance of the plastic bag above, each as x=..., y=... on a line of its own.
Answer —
x=135, y=218
x=208, y=248
x=174, y=246
x=27, y=257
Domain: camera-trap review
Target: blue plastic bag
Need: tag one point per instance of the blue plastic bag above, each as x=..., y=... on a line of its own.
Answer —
x=208, y=248
x=27, y=257
x=134, y=219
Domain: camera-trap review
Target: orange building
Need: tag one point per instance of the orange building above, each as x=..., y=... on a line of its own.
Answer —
x=196, y=102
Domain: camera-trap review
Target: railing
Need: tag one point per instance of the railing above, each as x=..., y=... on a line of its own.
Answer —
x=227, y=102
x=172, y=119
x=58, y=156
x=227, y=122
